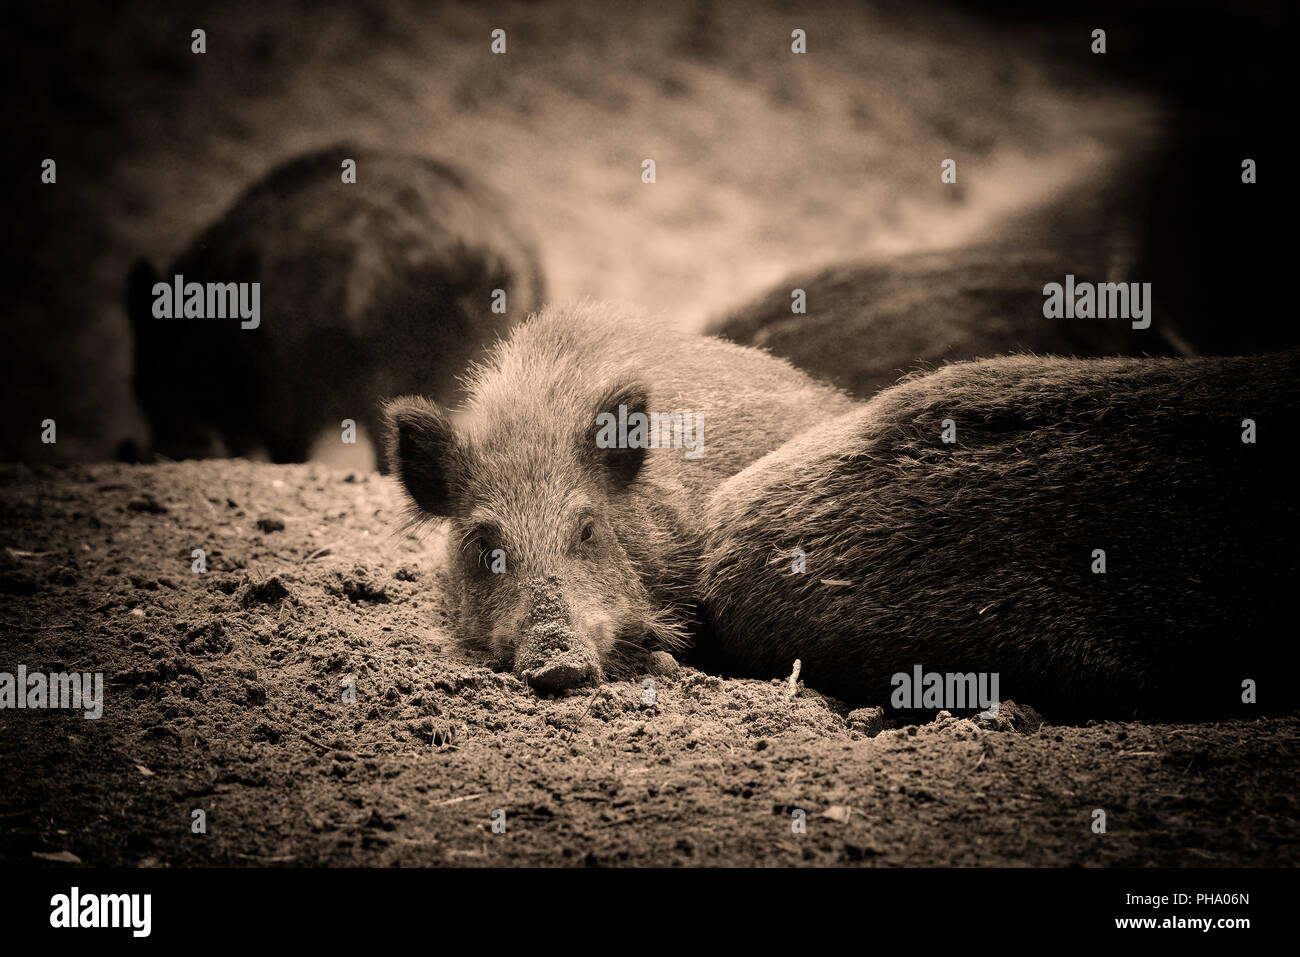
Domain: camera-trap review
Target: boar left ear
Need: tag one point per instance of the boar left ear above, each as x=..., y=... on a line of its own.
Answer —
x=614, y=425
x=421, y=451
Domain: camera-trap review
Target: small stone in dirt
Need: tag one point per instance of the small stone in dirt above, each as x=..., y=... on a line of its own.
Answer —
x=838, y=812
x=662, y=663
x=407, y=573
x=269, y=523
x=870, y=721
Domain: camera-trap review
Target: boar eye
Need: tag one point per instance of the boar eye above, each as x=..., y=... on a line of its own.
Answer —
x=588, y=529
x=478, y=548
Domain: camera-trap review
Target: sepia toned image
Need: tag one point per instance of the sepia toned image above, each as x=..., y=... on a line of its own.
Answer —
x=680, y=435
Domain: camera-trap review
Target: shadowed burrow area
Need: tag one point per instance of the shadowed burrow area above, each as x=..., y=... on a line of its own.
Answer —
x=305, y=693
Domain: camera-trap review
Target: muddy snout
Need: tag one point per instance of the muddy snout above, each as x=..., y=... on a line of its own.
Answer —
x=552, y=656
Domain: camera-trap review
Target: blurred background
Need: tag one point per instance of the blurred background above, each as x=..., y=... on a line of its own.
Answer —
x=767, y=162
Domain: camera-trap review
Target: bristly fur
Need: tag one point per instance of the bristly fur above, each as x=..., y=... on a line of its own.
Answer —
x=977, y=556
x=875, y=321
x=518, y=459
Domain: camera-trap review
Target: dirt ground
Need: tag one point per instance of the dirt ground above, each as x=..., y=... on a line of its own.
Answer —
x=223, y=693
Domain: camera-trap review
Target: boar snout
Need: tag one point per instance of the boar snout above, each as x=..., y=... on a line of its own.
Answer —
x=562, y=673
x=552, y=656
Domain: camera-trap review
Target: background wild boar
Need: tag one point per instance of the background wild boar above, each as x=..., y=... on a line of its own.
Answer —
x=978, y=556
x=368, y=289
x=870, y=323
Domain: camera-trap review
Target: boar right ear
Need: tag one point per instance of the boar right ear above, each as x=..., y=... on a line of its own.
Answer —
x=139, y=292
x=420, y=443
x=622, y=463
